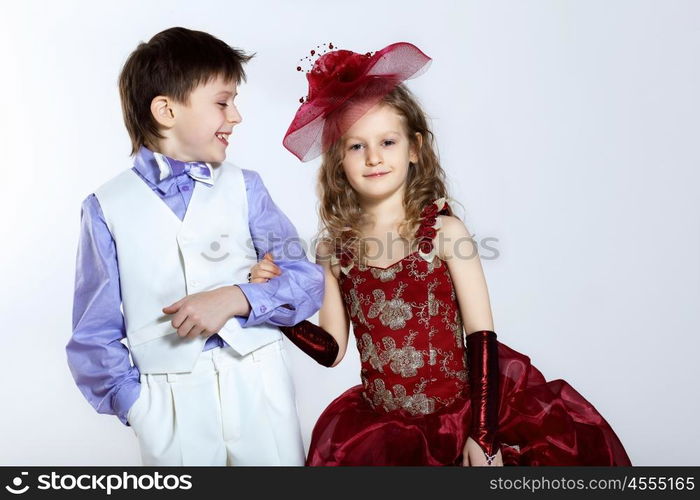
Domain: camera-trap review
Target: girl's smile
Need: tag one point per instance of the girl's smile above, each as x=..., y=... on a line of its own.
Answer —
x=376, y=175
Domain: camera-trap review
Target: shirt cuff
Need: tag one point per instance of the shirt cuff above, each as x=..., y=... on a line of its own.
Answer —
x=124, y=399
x=263, y=306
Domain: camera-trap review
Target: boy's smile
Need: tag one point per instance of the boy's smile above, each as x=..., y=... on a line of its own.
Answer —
x=199, y=129
x=223, y=137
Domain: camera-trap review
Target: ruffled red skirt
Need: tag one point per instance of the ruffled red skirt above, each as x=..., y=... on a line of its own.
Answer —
x=540, y=423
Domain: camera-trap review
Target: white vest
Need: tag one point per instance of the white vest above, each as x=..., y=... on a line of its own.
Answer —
x=162, y=259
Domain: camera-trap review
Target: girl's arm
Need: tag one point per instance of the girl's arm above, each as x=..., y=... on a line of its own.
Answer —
x=462, y=256
x=327, y=342
x=332, y=316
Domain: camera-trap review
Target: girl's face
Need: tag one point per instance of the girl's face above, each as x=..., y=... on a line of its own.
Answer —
x=376, y=153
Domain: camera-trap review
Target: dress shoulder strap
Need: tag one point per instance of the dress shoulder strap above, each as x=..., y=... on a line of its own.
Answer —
x=429, y=226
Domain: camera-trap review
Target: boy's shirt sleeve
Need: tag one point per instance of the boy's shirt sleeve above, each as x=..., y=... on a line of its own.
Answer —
x=97, y=359
x=297, y=293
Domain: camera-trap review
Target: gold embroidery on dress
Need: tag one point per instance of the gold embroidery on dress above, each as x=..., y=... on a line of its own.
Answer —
x=445, y=359
x=387, y=274
x=433, y=303
x=458, y=329
x=433, y=357
x=363, y=378
x=369, y=352
x=414, y=271
x=455, y=326
x=415, y=404
x=355, y=309
x=418, y=404
x=381, y=396
x=445, y=401
x=392, y=313
x=430, y=307
x=357, y=279
x=404, y=361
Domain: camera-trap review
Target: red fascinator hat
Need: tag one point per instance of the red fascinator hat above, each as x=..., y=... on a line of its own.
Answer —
x=340, y=78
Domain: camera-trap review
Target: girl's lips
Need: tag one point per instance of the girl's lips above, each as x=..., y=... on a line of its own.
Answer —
x=381, y=174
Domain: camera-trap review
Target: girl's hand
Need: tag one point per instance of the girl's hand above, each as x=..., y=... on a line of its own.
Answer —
x=264, y=270
x=473, y=456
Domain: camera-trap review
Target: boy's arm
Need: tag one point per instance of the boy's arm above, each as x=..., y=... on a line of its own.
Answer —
x=298, y=292
x=97, y=359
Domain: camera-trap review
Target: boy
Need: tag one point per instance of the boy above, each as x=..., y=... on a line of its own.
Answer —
x=170, y=241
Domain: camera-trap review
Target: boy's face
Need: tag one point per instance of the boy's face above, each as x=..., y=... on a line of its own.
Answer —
x=200, y=128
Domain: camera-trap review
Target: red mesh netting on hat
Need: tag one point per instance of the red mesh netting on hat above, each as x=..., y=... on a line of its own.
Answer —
x=343, y=86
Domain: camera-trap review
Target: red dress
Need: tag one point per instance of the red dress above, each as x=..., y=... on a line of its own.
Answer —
x=413, y=405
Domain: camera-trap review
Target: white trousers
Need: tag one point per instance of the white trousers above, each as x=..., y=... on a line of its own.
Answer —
x=230, y=410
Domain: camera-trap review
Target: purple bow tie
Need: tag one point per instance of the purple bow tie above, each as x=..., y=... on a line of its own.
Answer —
x=171, y=168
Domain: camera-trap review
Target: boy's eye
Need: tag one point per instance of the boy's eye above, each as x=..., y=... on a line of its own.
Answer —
x=389, y=142
x=223, y=104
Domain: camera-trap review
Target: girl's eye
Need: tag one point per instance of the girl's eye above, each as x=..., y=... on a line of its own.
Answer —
x=355, y=147
x=389, y=142
x=223, y=104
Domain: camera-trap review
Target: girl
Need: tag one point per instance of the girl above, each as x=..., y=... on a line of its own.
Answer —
x=429, y=395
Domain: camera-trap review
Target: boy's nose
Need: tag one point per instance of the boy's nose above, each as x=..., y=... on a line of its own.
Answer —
x=234, y=116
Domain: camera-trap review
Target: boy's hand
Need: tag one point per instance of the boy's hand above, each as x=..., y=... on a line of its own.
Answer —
x=205, y=313
x=264, y=270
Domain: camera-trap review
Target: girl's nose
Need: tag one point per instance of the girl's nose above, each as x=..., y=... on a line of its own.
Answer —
x=373, y=157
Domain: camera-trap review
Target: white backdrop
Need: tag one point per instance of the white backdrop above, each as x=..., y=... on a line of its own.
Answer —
x=568, y=129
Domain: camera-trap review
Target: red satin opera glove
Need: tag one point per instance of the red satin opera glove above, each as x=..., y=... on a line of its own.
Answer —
x=313, y=340
x=482, y=366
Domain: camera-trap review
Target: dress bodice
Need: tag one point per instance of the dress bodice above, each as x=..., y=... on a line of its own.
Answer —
x=408, y=330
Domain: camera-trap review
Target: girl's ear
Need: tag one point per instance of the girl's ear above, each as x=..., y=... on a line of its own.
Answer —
x=162, y=112
x=416, y=146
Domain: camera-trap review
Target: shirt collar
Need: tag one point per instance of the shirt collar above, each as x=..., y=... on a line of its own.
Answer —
x=145, y=164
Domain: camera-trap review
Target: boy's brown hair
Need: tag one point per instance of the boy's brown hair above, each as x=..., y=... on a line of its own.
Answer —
x=172, y=63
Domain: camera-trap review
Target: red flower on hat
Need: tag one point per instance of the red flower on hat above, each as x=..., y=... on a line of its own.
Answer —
x=340, y=65
x=339, y=76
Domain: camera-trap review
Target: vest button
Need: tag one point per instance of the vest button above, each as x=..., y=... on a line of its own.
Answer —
x=263, y=309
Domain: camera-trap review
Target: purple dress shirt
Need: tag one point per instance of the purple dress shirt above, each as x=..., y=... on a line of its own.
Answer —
x=97, y=358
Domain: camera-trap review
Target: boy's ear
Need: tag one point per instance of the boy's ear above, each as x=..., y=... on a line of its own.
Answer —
x=162, y=112
x=415, y=148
